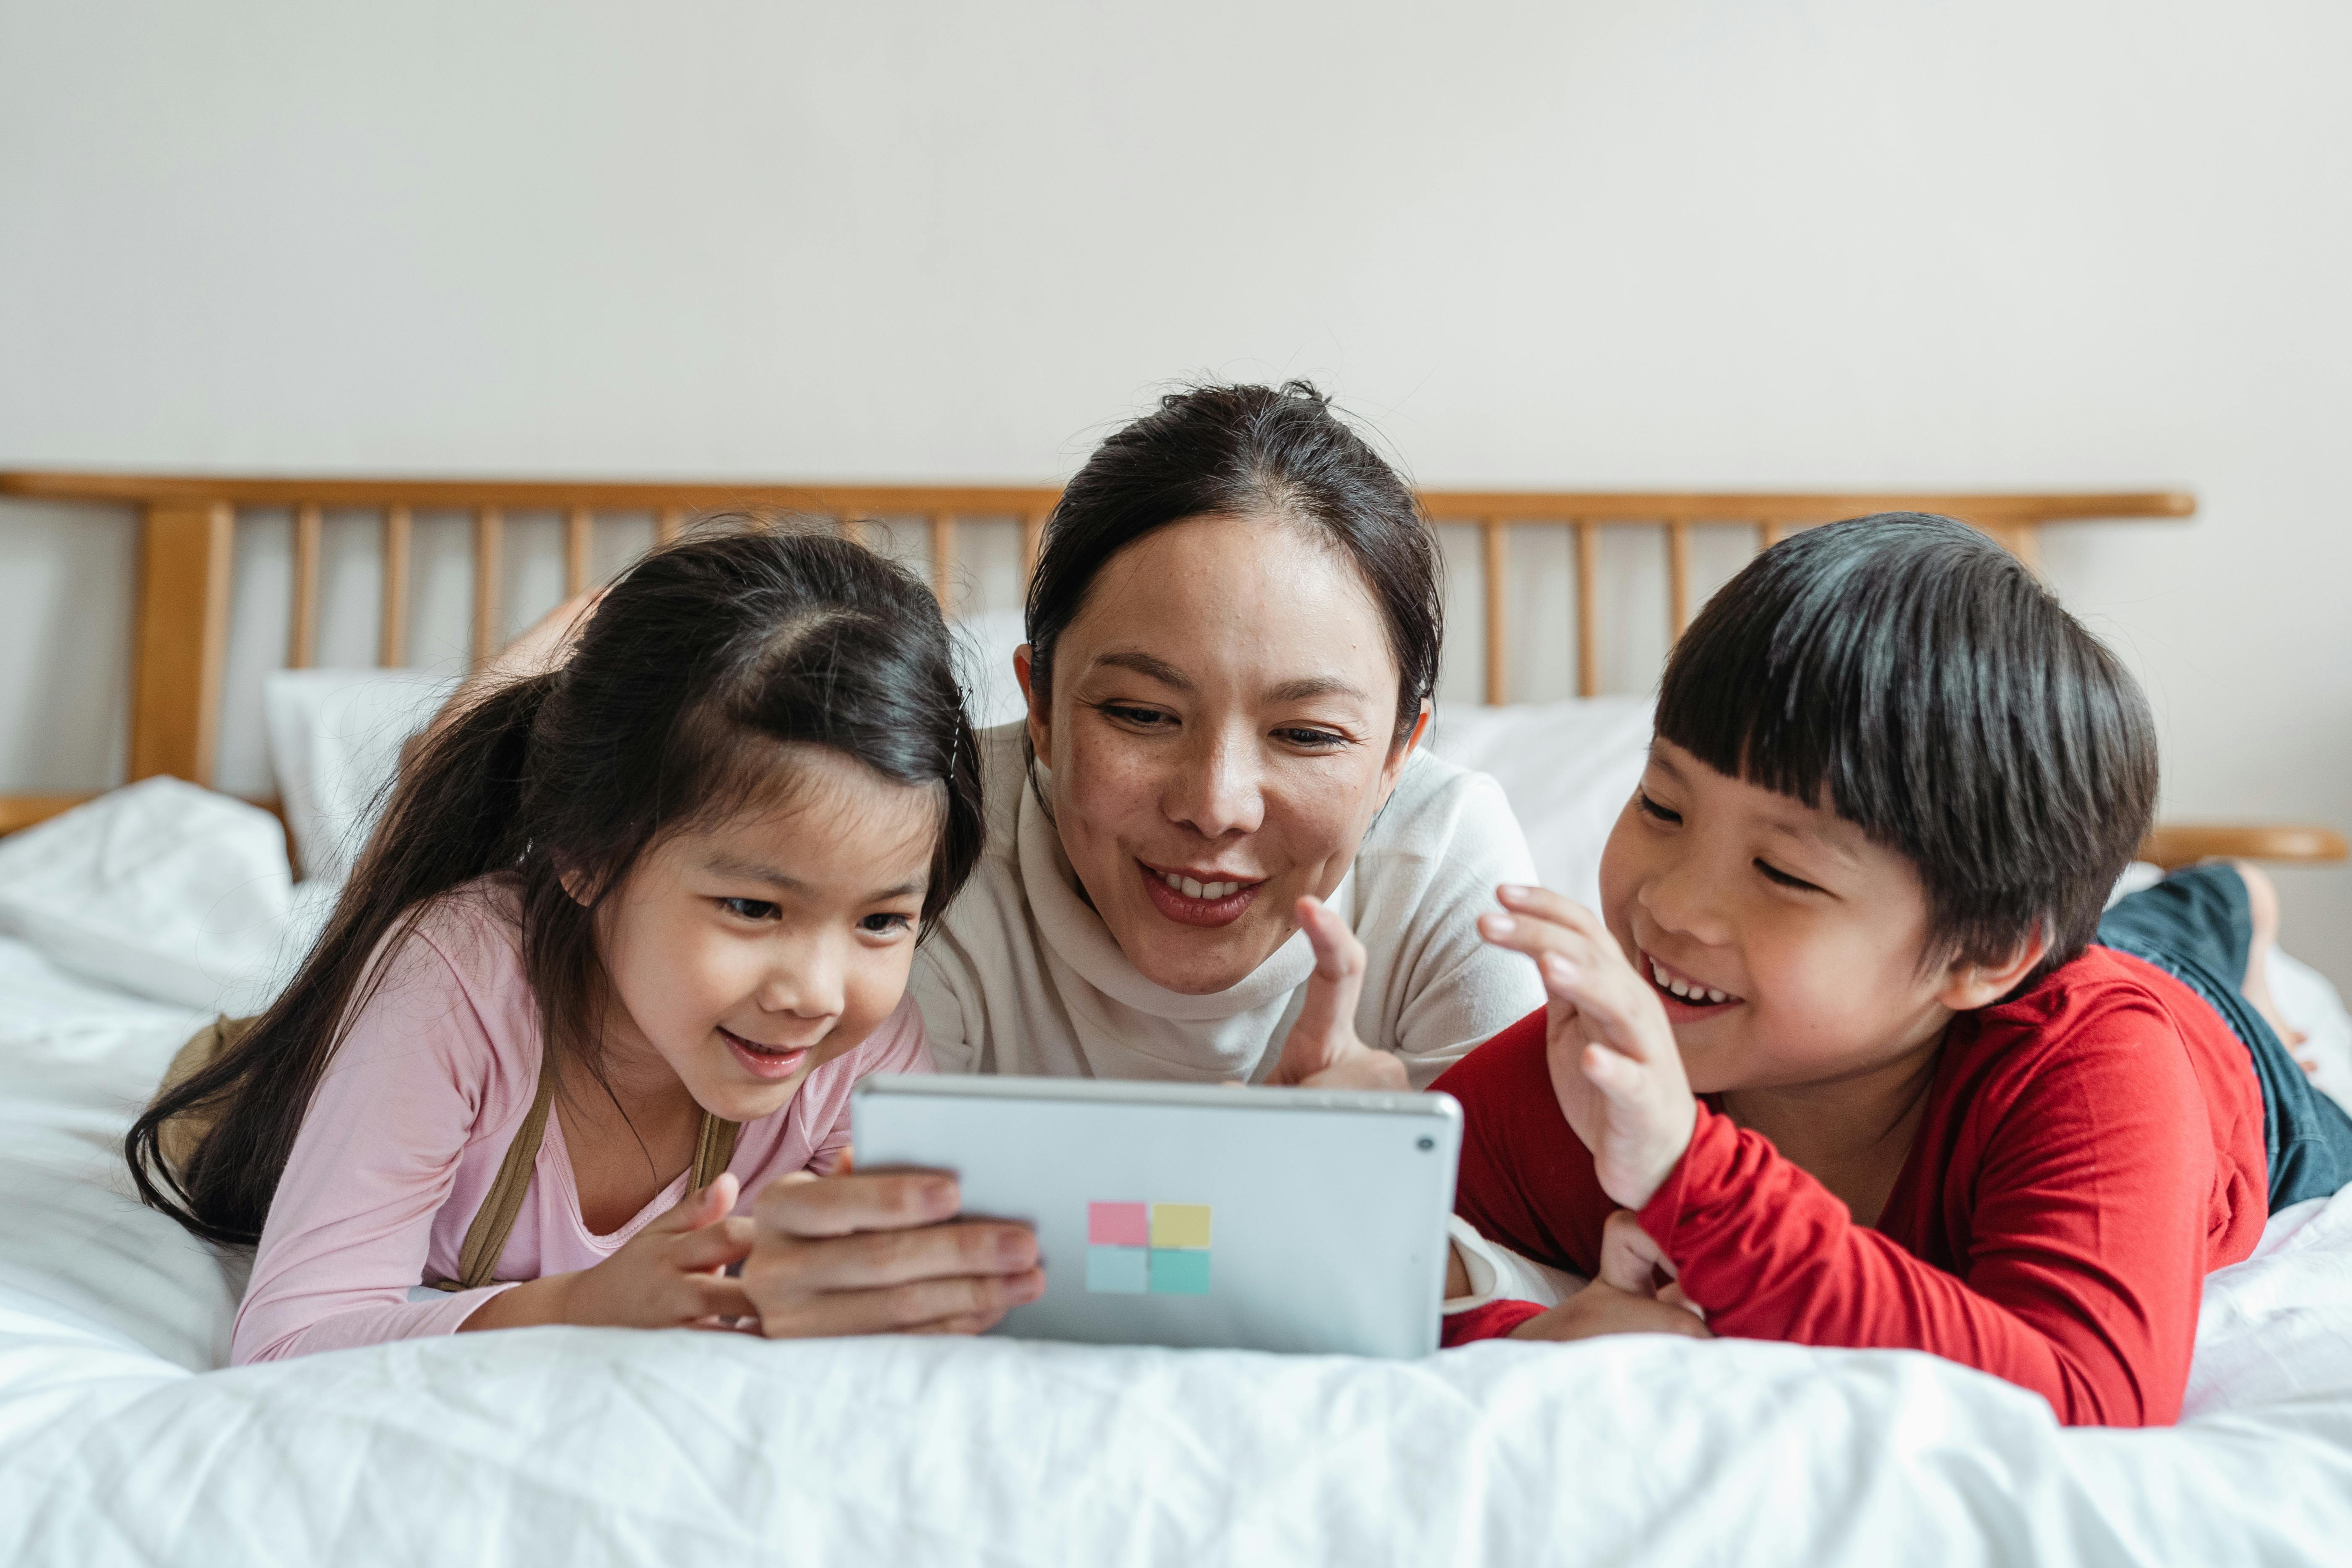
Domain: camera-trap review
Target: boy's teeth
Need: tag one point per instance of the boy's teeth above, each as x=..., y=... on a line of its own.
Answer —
x=1689, y=990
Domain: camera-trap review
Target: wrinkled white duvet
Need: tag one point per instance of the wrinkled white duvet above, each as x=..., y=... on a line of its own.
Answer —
x=118, y=1443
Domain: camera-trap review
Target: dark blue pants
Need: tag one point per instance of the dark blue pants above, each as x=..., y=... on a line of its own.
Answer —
x=2196, y=925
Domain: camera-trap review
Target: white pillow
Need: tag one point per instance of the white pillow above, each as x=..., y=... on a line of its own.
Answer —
x=1567, y=768
x=163, y=890
x=335, y=744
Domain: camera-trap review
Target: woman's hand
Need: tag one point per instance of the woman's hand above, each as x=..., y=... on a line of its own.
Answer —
x=1613, y=1061
x=672, y=1274
x=1322, y=1050
x=1636, y=1293
x=1602, y=1309
x=883, y=1253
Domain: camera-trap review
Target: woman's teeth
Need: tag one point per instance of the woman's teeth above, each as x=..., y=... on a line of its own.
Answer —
x=1687, y=990
x=1192, y=890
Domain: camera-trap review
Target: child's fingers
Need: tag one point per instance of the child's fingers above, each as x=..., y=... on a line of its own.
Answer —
x=715, y=1245
x=1543, y=904
x=1613, y=1001
x=702, y=1206
x=714, y=1296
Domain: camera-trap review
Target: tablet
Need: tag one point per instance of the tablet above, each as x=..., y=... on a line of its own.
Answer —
x=1271, y=1219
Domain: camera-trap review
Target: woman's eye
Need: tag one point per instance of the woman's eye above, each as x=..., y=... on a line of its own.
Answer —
x=1145, y=717
x=749, y=908
x=1651, y=808
x=1317, y=740
x=1774, y=874
x=884, y=925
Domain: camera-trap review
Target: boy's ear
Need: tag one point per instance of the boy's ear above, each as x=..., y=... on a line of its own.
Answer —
x=1968, y=986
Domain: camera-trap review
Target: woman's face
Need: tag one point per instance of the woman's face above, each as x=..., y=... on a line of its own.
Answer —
x=1218, y=734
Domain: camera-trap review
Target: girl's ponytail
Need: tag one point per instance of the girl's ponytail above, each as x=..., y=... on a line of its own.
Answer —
x=453, y=817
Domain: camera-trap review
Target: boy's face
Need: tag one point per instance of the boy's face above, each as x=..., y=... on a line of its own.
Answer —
x=1810, y=934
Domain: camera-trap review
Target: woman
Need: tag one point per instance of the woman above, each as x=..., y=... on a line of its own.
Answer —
x=1233, y=638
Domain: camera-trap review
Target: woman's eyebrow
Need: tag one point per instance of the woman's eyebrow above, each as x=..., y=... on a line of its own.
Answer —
x=1144, y=664
x=1312, y=685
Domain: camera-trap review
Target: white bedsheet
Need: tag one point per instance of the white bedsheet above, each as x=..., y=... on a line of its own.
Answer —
x=574, y=1447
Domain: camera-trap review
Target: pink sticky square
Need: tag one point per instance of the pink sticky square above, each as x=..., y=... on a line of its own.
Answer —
x=1118, y=1225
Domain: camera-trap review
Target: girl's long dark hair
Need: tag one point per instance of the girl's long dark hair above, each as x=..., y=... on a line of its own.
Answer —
x=705, y=660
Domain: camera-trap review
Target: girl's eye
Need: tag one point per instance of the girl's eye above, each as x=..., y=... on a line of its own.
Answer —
x=885, y=925
x=751, y=909
x=1774, y=874
x=1651, y=808
x=1315, y=739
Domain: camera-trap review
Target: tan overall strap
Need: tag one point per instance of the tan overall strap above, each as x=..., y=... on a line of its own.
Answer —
x=713, y=1149
x=486, y=1238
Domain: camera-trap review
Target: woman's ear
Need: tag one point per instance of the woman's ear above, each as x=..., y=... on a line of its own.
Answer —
x=1968, y=986
x=1401, y=753
x=1040, y=720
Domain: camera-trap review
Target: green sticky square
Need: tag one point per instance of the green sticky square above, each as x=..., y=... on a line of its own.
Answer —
x=1179, y=1273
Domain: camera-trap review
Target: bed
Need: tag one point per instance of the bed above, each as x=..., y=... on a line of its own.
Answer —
x=126, y=920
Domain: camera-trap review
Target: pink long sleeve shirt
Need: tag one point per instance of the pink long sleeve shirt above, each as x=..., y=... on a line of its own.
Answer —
x=414, y=1117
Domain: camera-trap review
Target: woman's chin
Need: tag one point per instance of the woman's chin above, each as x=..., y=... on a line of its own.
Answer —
x=1195, y=961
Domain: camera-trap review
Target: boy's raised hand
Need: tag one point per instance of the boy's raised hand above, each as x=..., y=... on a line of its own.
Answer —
x=1613, y=1061
x=1322, y=1050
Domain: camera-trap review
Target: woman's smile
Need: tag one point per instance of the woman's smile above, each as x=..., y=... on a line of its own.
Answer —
x=1195, y=898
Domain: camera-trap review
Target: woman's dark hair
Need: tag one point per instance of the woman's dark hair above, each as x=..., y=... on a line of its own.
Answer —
x=1247, y=452
x=1916, y=678
x=695, y=672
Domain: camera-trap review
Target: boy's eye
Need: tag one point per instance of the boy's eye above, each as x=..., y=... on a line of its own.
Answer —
x=885, y=925
x=1651, y=808
x=1774, y=874
x=751, y=909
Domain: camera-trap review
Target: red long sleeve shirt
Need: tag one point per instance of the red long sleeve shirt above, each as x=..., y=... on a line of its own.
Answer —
x=2090, y=1150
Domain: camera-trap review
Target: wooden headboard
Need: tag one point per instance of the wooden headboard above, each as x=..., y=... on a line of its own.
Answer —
x=187, y=529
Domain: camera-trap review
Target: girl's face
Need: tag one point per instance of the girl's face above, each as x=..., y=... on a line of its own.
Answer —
x=1795, y=940
x=745, y=955
x=1219, y=736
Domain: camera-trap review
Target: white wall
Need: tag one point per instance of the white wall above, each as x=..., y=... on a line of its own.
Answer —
x=1720, y=242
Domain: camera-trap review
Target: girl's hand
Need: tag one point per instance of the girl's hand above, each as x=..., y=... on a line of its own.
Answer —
x=883, y=1253
x=1613, y=1061
x=672, y=1274
x=1322, y=1050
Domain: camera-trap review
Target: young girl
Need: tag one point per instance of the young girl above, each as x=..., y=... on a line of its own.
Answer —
x=630, y=930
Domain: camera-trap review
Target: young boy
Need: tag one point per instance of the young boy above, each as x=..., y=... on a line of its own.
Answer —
x=1853, y=907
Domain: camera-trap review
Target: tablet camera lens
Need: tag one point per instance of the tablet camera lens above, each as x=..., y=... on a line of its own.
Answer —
x=1426, y=1144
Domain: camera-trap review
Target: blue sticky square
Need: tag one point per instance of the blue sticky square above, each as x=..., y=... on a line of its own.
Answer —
x=1117, y=1271
x=1179, y=1272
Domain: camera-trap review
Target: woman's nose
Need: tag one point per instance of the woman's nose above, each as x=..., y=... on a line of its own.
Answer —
x=1217, y=790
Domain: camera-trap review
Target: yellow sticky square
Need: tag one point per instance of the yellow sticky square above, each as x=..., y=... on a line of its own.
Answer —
x=1180, y=1225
